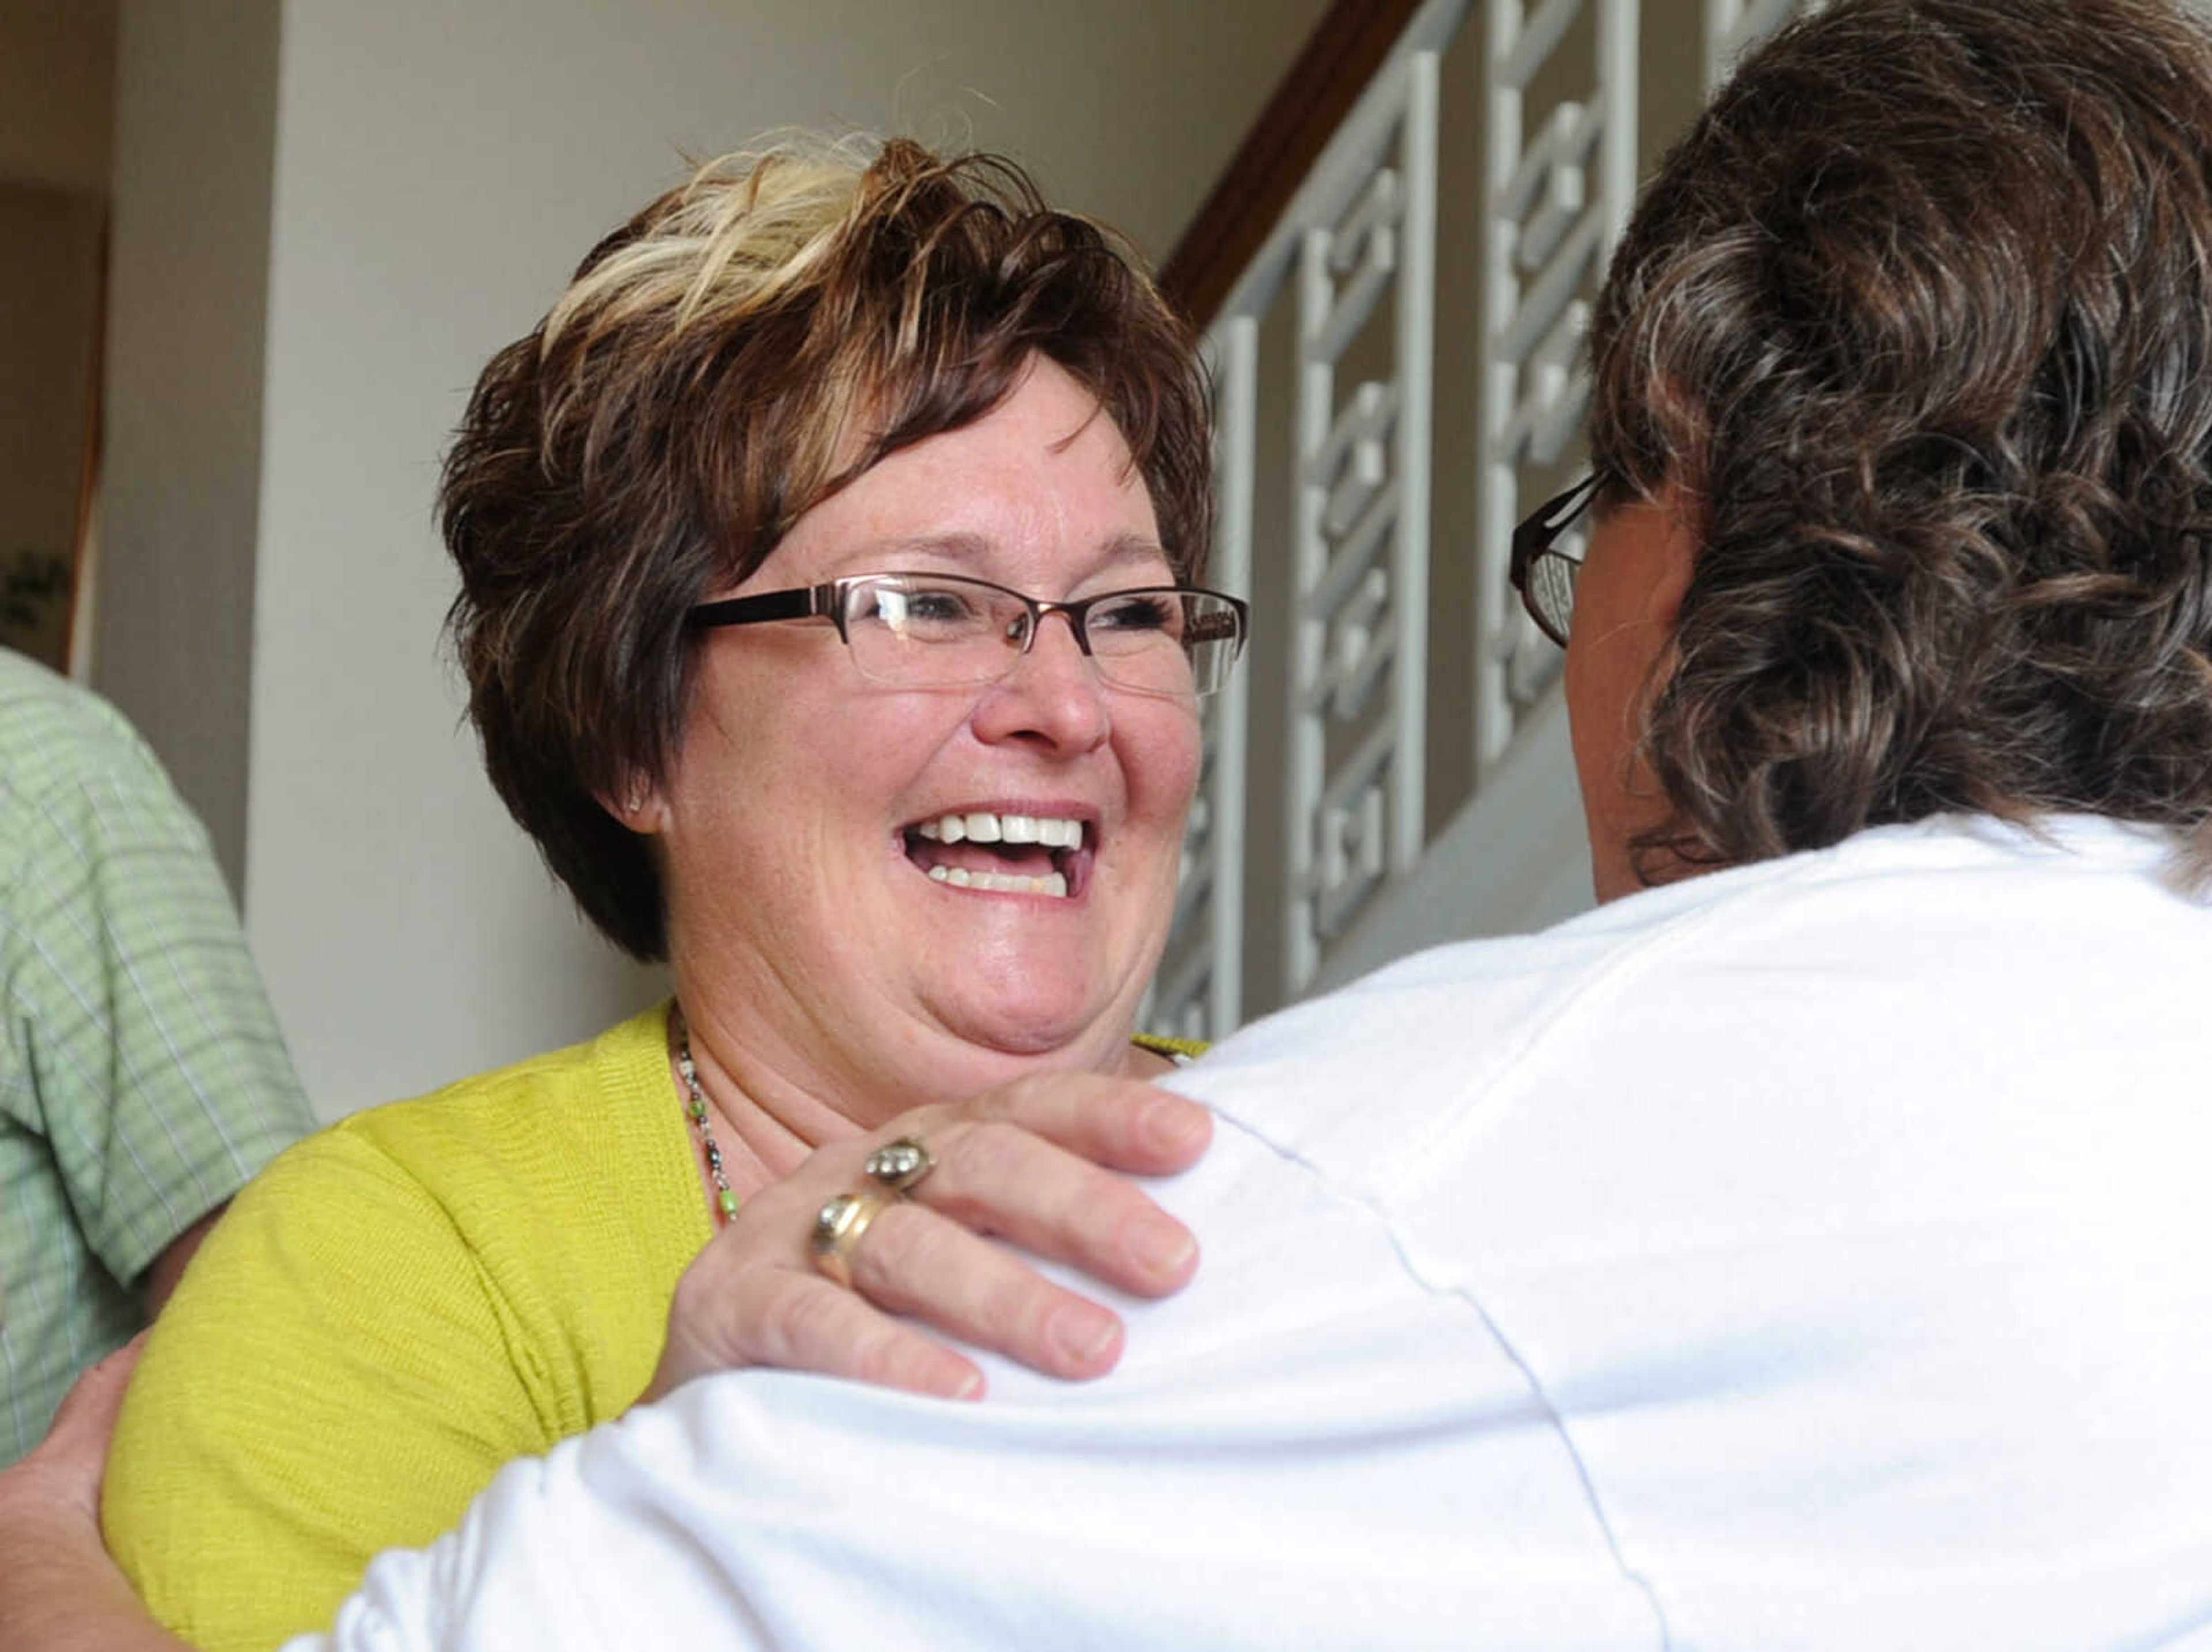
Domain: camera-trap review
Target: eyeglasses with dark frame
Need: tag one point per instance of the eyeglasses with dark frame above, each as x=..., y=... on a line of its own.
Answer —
x=944, y=631
x=1543, y=574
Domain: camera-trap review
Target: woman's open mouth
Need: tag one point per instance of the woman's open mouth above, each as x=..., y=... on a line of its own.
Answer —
x=1003, y=853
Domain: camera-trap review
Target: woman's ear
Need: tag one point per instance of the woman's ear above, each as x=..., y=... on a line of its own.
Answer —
x=638, y=806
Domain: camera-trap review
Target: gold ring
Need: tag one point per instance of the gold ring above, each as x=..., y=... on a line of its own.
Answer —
x=899, y=1165
x=838, y=1228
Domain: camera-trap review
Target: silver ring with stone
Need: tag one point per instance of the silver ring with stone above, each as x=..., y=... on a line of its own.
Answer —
x=899, y=1165
x=838, y=1228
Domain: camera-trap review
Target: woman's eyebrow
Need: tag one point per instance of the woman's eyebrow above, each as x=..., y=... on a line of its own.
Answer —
x=1132, y=548
x=1121, y=549
x=963, y=546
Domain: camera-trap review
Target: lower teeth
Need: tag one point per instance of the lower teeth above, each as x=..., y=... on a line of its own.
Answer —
x=997, y=882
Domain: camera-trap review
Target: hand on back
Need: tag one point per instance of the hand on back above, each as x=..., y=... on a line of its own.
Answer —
x=1043, y=1163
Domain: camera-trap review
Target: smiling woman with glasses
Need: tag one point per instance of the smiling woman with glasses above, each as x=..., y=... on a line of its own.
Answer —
x=910, y=833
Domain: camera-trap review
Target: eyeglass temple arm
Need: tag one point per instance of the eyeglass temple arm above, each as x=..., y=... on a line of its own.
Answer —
x=800, y=604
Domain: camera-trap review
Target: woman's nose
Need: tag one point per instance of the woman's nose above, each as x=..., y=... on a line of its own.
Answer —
x=1054, y=695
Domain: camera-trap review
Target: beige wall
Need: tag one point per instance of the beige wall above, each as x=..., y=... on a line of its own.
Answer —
x=188, y=281
x=437, y=168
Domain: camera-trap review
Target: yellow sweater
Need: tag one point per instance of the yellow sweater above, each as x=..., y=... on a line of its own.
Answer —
x=395, y=1308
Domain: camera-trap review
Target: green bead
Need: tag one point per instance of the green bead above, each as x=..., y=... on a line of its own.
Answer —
x=696, y=1109
x=729, y=1201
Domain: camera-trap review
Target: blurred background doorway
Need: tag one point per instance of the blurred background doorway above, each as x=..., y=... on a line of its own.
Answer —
x=57, y=90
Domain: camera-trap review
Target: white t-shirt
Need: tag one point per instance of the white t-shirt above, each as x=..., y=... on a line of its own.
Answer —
x=1813, y=1254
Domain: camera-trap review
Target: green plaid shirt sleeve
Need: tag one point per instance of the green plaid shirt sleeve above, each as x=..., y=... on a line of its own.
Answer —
x=143, y=1080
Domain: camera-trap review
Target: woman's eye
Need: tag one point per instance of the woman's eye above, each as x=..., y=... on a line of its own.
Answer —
x=1140, y=614
x=936, y=607
x=906, y=609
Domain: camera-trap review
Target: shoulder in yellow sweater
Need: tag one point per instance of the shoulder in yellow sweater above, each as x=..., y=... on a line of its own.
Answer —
x=397, y=1307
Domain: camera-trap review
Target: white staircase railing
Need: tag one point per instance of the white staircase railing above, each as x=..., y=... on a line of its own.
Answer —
x=1559, y=194
x=1351, y=265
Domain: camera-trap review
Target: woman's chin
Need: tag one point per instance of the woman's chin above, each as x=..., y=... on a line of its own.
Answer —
x=1034, y=1022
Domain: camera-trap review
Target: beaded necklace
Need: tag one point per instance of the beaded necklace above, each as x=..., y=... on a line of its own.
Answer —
x=694, y=1108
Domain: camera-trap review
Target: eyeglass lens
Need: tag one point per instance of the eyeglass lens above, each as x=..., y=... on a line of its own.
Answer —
x=947, y=632
x=1547, y=555
x=1550, y=592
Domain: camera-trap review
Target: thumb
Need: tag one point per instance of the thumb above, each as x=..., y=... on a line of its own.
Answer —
x=74, y=1454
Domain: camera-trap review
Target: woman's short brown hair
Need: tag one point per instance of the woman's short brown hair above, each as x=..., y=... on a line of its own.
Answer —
x=1919, y=318
x=739, y=350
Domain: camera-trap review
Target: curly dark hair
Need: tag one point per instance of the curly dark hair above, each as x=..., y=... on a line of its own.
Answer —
x=1918, y=319
x=739, y=350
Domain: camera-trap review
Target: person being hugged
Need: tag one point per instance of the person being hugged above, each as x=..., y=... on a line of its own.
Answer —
x=830, y=609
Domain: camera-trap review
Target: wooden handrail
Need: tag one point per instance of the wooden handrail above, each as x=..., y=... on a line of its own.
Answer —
x=1348, y=46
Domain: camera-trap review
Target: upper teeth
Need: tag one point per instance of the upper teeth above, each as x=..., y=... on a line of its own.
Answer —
x=1003, y=829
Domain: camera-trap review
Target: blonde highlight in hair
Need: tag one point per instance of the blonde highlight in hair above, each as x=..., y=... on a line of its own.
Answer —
x=732, y=355
x=743, y=235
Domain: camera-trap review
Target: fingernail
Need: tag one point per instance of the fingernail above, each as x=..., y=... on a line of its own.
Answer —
x=971, y=1387
x=1171, y=1124
x=1164, y=1245
x=1083, y=1334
